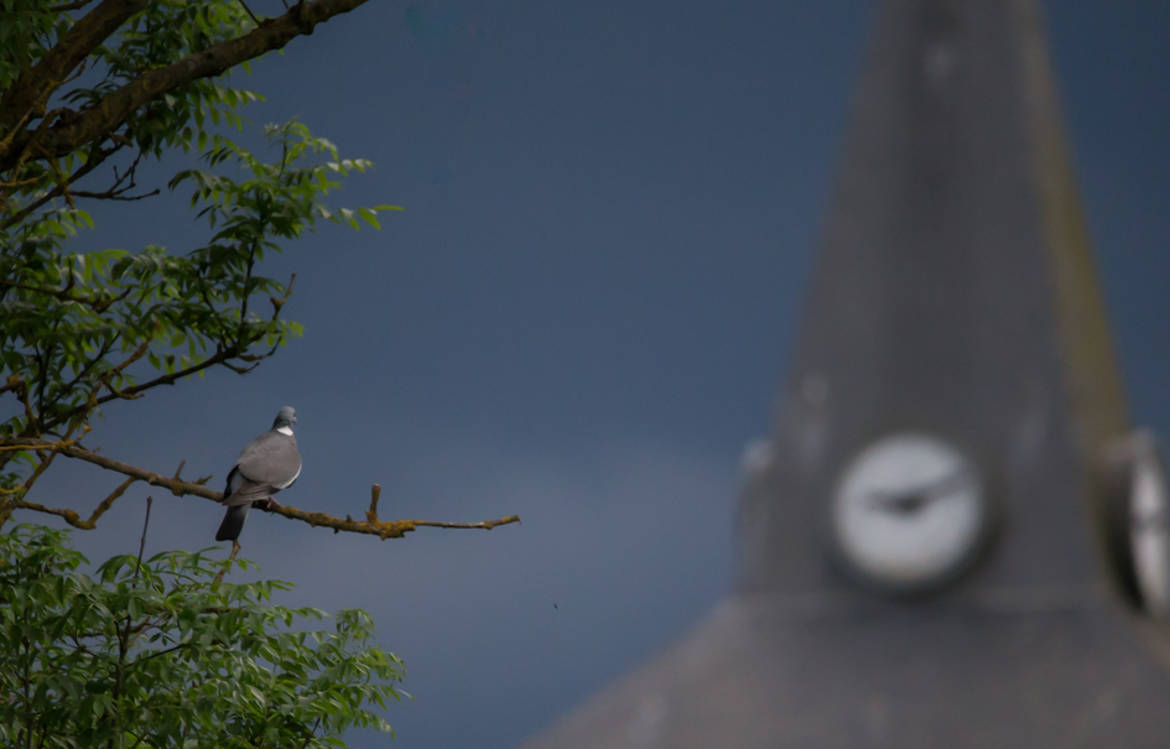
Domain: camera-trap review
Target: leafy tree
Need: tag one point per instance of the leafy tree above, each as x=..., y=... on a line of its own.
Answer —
x=160, y=653
x=89, y=91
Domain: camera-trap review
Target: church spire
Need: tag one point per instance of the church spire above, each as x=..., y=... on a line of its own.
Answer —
x=920, y=563
x=954, y=293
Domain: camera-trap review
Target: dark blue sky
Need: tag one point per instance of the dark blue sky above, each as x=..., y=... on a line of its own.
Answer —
x=581, y=317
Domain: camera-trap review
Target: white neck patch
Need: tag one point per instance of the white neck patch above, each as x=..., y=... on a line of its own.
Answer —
x=285, y=430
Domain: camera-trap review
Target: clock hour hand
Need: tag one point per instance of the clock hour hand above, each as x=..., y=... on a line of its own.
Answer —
x=899, y=503
x=910, y=502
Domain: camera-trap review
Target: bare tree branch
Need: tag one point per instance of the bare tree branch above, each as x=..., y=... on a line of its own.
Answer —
x=33, y=87
x=371, y=526
x=13, y=382
x=95, y=160
x=145, y=525
x=10, y=445
x=77, y=5
x=76, y=129
x=156, y=654
x=118, y=190
x=227, y=563
x=46, y=459
x=98, y=304
x=375, y=495
x=251, y=15
x=222, y=356
x=107, y=195
x=71, y=516
x=106, y=503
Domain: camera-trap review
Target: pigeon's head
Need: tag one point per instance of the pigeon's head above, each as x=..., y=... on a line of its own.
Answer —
x=285, y=417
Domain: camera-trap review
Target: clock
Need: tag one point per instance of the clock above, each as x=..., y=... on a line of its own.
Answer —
x=1139, y=515
x=909, y=514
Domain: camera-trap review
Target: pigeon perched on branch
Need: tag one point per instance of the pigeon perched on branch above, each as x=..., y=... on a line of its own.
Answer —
x=267, y=465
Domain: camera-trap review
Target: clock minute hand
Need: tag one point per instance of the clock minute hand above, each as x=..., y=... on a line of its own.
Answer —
x=948, y=483
x=900, y=502
x=912, y=501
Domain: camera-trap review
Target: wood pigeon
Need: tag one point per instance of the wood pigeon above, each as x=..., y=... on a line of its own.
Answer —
x=267, y=464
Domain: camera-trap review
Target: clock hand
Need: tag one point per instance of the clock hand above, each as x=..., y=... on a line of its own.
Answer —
x=899, y=503
x=953, y=480
x=912, y=501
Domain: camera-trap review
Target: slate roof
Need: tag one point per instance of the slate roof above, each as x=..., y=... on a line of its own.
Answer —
x=762, y=672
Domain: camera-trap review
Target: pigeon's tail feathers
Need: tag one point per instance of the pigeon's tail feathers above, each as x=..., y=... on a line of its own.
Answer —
x=233, y=523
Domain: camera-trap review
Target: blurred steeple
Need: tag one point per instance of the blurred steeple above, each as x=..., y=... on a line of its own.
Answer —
x=931, y=547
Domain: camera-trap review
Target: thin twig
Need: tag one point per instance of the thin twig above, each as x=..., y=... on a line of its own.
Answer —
x=312, y=732
x=248, y=279
x=68, y=388
x=375, y=495
x=91, y=163
x=156, y=654
x=251, y=15
x=227, y=562
x=114, y=196
x=62, y=182
x=71, y=516
x=77, y=5
x=125, y=631
x=98, y=303
x=106, y=503
x=42, y=466
x=142, y=541
x=6, y=446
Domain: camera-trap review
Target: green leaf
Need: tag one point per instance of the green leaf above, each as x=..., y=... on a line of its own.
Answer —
x=370, y=217
x=74, y=325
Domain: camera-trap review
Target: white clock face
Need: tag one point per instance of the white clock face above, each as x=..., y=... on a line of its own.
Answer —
x=909, y=512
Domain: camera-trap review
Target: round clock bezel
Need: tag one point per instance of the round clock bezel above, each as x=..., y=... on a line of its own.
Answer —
x=1125, y=458
x=988, y=522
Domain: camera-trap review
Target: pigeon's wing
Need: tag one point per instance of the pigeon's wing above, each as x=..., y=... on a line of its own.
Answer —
x=241, y=491
x=267, y=464
x=270, y=460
